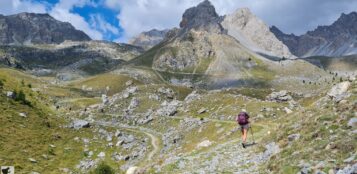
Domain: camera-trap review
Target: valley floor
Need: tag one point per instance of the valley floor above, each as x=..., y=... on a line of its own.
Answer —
x=135, y=127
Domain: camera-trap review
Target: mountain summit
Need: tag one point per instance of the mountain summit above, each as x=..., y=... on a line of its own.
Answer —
x=338, y=39
x=31, y=28
x=202, y=17
x=254, y=34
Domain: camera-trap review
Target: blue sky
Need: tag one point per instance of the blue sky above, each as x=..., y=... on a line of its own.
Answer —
x=120, y=20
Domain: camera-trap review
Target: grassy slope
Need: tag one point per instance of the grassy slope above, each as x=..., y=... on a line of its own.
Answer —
x=32, y=136
x=319, y=125
x=116, y=83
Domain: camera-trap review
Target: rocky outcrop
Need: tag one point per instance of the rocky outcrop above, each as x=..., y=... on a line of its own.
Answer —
x=254, y=34
x=31, y=28
x=148, y=39
x=202, y=17
x=338, y=39
x=339, y=91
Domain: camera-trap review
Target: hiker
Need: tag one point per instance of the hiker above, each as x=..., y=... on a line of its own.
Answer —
x=243, y=121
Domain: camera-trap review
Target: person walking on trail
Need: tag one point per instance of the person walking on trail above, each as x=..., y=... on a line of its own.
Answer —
x=243, y=121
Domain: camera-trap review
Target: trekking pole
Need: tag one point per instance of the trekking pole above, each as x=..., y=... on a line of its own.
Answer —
x=251, y=131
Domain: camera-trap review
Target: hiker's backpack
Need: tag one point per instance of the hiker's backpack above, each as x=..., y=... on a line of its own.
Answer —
x=242, y=118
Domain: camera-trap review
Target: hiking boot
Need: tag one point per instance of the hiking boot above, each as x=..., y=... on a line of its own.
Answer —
x=243, y=145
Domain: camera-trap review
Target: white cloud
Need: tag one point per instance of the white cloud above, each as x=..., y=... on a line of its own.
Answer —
x=97, y=21
x=8, y=7
x=293, y=16
x=62, y=12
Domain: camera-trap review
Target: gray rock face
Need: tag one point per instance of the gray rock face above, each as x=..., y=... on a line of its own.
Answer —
x=338, y=39
x=70, y=59
x=202, y=17
x=253, y=33
x=31, y=28
x=148, y=39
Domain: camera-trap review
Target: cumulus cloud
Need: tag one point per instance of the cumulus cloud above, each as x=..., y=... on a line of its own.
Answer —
x=293, y=16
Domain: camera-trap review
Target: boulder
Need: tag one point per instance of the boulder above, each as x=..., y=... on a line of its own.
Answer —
x=78, y=124
x=281, y=96
x=10, y=94
x=32, y=160
x=169, y=93
x=132, y=170
x=293, y=137
x=202, y=110
x=352, y=122
x=191, y=97
x=23, y=114
x=168, y=108
x=348, y=169
x=339, y=90
x=129, y=83
x=134, y=103
x=105, y=99
x=287, y=110
x=101, y=155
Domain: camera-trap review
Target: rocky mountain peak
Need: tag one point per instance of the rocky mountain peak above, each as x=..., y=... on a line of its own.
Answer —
x=254, y=34
x=148, y=39
x=202, y=17
x=33, y=28
x=337, y=39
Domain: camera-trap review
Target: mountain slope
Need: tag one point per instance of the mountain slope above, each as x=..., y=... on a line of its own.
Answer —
x=31, y=28
x=201, y=52
x=148, y=39
x=251, y=32
x=338, y=39
x=68, y=60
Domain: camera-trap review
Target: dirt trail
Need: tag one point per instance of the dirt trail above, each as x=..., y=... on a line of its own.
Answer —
x=155, y=141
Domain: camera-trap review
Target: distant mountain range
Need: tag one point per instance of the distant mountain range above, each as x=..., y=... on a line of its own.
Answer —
x=237, y=48
x=338, y=39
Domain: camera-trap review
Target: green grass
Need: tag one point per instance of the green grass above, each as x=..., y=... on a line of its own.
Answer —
x=99, y=83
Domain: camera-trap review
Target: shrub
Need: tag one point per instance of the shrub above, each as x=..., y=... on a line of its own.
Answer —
x=21, y=97
x=29, y=85
x=1, y=84
x=103, y=168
